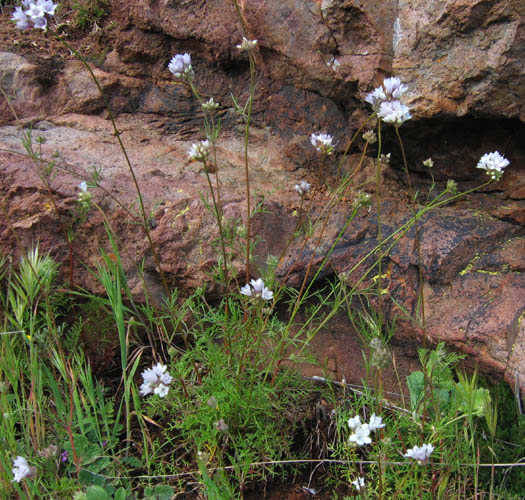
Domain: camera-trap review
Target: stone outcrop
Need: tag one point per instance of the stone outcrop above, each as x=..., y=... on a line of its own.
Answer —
x=462, y=61
x=459, y=57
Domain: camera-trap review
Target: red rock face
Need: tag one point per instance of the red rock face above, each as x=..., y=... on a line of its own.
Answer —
x=463, y=64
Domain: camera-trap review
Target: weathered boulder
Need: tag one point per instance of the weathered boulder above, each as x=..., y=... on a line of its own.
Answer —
x=459, y=57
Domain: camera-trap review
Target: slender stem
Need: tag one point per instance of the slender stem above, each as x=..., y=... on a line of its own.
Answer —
x=218, y=216
x=349, y=145
x=247, y=116
x=211, y=135
x=116, y=133
x=417, y=240
x=378, y=210
x=246, y=165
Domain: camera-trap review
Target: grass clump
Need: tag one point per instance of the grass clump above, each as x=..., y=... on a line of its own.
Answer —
x=89, y=13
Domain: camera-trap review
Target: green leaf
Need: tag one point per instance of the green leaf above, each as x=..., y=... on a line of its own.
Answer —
x=120, y=494
x=163, y=492
x=97, y=493
x=416, y=387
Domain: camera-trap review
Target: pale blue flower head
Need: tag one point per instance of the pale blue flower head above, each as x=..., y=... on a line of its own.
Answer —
x=47, y=6
x=361, y=435
x=354, y=422
x=21, y=469
x=394, y=112
x=323, y=143
x=302, y=188
x=40, y=23
x=180, y=66
x=156, y=380
x=376, y=97
x=257, y=288
x=21, y=19
x=161, y=390
x=199, y=151
x=394, y=89
x=375, y=422
x=420, y=453
x=385, y=101
x=35, y=11
x=33, y=14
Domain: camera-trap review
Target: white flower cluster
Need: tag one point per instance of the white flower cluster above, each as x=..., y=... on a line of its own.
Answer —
x=370, y=137
x=385, y=101
x=256, y=288
x=21, y=469
x=246, y=45
x=359, y=483
x=361, y=432
x=156, y=380
x=180, y=66
x=323, y=143
x=302, y=188
x=429, y=163
x=199, y=151
x=420, y=453
x=33, y=14
x=493, y=163
x=210, y=105
x=84, y=196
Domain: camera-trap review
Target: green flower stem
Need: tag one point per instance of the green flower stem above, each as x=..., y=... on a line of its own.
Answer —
x=421, y=301
x=246, y=165
x=354, y=137
x=324, y=216
x=218, y=216
x=378, y=210
x=211, y=135
x=247, y=117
